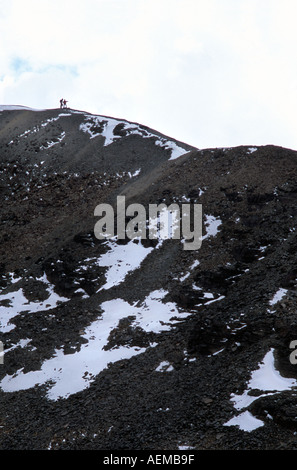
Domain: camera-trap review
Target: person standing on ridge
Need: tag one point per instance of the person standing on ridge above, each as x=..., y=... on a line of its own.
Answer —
x=61, y=102
x=65, y=103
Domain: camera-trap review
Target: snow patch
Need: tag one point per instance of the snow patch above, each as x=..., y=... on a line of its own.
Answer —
x=102, y=126
x=7, y=107
x=245, y=421
x=212, y=225
x=66, y=374
x=120, y=260
x=278, y=296
x=266, y=379
x=252, y=150
x=164, y=366
x=52, y=143
x=19, y=303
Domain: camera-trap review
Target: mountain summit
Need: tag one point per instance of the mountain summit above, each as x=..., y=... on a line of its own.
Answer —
x=138, y=343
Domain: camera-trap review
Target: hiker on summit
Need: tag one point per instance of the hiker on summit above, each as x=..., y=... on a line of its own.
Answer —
x=63, y=103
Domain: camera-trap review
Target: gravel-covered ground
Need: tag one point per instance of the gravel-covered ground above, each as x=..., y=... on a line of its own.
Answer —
x=138, y=345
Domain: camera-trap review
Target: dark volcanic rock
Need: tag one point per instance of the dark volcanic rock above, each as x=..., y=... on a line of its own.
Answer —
x=179, y=332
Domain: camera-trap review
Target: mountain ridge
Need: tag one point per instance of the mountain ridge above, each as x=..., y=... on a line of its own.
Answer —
x=162, y=344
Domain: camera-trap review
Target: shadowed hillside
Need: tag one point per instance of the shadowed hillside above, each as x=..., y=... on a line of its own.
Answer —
x=141, y=344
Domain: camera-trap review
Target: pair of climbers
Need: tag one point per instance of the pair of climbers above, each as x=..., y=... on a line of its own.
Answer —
x=63, y=103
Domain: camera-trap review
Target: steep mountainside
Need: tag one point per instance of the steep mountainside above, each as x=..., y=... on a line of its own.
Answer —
x=142, y=344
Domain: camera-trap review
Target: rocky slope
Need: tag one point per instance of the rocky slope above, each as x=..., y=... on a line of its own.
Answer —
x=122, y=344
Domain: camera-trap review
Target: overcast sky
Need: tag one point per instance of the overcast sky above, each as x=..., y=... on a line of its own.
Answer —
x=211, y=73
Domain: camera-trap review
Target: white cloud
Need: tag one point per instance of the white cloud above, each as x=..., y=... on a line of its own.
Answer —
x=207, y=72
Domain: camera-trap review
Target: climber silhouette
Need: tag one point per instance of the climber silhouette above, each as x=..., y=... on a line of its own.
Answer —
x=63, y=103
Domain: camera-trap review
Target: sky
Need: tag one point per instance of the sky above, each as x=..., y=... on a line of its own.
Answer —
x=211, y=73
